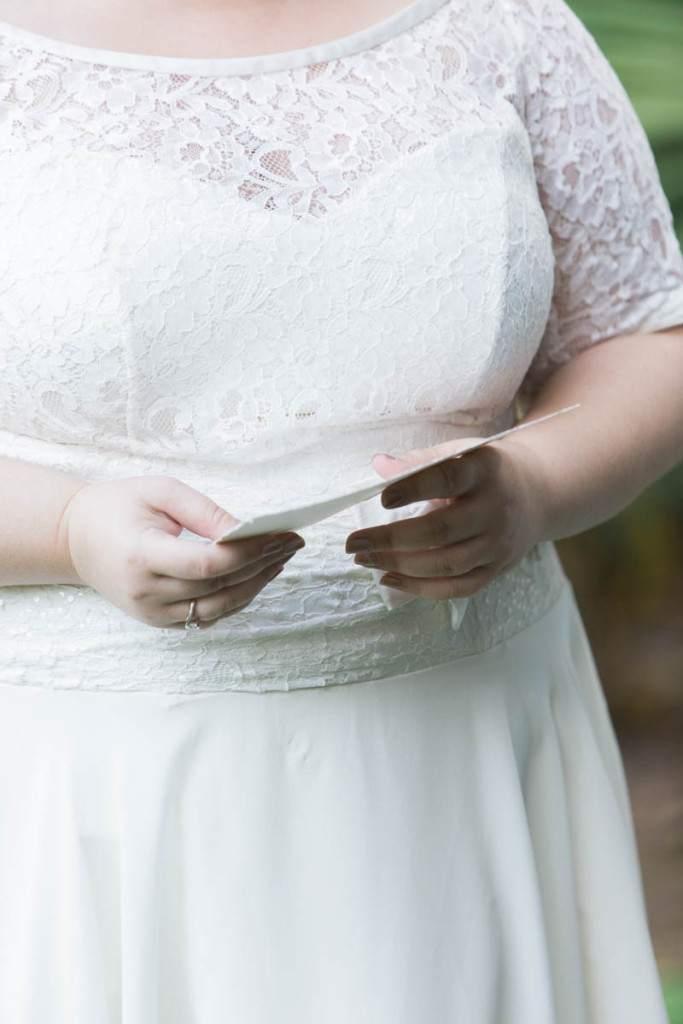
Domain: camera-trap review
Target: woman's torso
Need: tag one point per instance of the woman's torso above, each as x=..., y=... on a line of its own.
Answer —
x=251, y=274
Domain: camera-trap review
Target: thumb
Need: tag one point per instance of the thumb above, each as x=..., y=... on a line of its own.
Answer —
x=193, y=510
x=391, y=465
x=388, y=465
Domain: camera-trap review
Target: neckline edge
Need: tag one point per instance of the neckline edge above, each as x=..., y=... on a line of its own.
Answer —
x=355, y=42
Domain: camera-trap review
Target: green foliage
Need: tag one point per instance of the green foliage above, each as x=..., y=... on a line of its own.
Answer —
x=643, y=40
x=673, y=994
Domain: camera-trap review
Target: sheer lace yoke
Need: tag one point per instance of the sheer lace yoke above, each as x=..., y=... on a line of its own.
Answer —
x=253, y=273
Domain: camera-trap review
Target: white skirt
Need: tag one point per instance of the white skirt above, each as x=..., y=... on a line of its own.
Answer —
x=449, y=846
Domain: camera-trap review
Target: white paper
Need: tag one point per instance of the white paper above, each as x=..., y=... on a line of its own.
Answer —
x=298, y=516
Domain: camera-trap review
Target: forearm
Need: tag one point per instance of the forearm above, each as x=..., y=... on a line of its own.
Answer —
x=596, y=460
x=32, y=501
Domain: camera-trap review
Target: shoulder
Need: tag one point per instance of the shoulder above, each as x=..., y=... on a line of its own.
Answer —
x=555, y=52
x=544, y=24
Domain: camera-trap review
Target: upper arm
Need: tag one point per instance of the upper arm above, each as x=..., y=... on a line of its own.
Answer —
x=618, y=264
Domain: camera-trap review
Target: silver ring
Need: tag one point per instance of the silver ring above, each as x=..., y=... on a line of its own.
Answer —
x=191, y=622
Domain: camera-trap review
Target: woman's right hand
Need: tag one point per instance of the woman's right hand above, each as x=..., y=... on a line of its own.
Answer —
x=122, y=540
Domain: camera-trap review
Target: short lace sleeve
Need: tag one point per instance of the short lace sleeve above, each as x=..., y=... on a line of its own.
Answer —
x=618, y=264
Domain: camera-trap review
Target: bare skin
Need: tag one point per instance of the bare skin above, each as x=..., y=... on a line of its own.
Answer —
x=197, y=28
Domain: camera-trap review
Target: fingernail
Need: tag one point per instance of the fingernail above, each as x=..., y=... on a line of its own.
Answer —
x=391, y=581
x=273, y=547
x=392, y=499
x=358, y=544
x=274, y=571
x=295, y=545
x=385, y=456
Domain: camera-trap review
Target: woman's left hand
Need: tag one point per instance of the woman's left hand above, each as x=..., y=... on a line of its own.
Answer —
x=487, y=513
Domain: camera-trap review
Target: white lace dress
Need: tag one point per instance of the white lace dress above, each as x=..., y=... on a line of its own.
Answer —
x=252, y=274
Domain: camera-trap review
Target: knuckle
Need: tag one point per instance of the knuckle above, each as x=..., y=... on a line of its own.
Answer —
x=216, y=583
x=133, y=560
x=216, y=516
x=441, y=531
x=209, y=586
x=446, y=475
x=455, y=473
x=233, y=563
x=471, y=474
x=446, y=567
x=160, y=487
x=204, y=566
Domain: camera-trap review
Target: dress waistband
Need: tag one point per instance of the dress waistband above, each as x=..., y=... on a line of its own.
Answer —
x=70, y=637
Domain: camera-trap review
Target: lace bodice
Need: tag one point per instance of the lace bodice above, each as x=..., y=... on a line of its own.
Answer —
x=253, y=273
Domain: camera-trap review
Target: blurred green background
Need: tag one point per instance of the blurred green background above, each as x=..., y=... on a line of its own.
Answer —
x=628, y=573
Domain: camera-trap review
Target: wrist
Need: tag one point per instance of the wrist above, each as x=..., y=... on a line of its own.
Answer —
x=538, y=499
x=68, y=570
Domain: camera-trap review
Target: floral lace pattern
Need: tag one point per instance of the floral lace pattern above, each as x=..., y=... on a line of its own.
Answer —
x=254, y=281
x=66, y=637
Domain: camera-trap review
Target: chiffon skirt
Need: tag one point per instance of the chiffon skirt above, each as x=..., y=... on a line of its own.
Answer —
x=448, y=846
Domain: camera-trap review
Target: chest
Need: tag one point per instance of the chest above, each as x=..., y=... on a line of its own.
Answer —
x=148, y=308
x=215, y=30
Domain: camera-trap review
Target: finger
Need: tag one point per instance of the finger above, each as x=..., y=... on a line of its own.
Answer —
x=187, y=506
x=169, y=588
x=440, y=589
x=453, y=560
x=463, y=518
x=449, y=479
x=224, y=602
x=187, y=559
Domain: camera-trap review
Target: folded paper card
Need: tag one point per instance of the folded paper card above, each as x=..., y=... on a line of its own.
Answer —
x=297, y=516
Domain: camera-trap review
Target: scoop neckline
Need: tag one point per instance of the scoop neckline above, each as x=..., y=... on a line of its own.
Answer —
x=356, y=42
